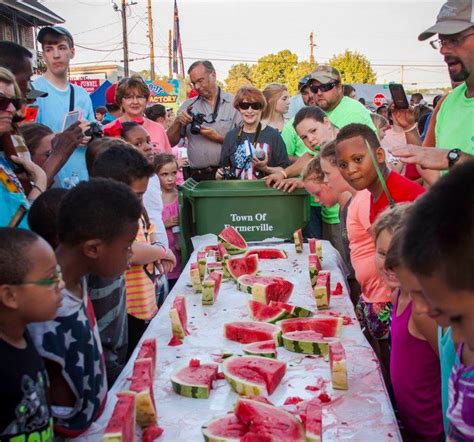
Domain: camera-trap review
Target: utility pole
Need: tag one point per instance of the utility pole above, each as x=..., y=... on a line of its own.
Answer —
x=150, y=42
x=401, y=73
x=170, y=55
x=123, y=12
x=311, y=47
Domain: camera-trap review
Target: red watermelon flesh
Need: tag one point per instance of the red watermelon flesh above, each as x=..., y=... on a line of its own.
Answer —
x=268, y=422
x=233, y=241
x=227, y=428
x=151, y=433
x=248, y=332
x=148, y=350
x=266, y=288
x=312, y=245
x=308, y=335
x=122, y=423
x=266, y=313
x=293, y=310
x=257, y=370
x=328, y=326
x=179, y=304
x=142, y=384
x=201, y=374
x=217, y=278
x=268, y=253
x=311, y=413
x=261, y=347
x=314, y=259
x=248, y=265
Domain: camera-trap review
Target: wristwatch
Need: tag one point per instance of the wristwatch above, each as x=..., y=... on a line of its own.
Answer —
x=453, y=157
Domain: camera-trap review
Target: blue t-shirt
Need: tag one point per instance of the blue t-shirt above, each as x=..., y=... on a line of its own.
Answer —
x=51, y=112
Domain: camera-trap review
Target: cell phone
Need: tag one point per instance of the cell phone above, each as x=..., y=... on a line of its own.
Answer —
x=70, y=118
x=398, y=96
x=31, y=113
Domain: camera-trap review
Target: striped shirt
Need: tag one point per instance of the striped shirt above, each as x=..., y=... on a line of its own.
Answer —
x=140, y=281
x=461, y=401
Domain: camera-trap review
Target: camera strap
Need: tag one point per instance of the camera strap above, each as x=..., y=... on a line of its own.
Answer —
x=71, y=98
x=380, y=175
x=216, y=106
x=257, y=134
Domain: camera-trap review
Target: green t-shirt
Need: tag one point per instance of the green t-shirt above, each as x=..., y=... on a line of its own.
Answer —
x=350, y=111
x=294, y=144
x=455, y=122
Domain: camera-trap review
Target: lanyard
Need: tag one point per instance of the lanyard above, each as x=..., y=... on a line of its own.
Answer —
x=257, y=134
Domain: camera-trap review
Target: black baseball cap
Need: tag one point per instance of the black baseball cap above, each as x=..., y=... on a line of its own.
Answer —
x=59, y=30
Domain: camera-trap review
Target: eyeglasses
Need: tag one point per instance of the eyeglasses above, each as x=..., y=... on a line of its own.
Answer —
x=47, y=282
x=323, y=87
x=255, y=106
x=5, y=102
x=134, y=97
x=450, y=42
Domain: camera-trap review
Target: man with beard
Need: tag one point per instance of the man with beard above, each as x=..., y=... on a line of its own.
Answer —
x=454, y=124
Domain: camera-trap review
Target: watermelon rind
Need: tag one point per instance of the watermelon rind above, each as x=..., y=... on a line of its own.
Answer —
x=265, y=313
x=244, y=386
x=196, y=278
x=293, y=310
x=176, y=326
x=268, y=253
x=142, y=386
x=231, y=247
x=230, y=420
x=328, y=326
x=260, y=287
x=121, y=426
x=210, y=288
x=292, y=342
x=254, y=350
x=337, y=363
x=298, y=238
x=183, y=388
x=322, y=298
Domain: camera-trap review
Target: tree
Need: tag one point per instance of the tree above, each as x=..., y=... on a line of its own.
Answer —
x=238, y=75
x=274, y=68
x=354, y=68
x=299, y=71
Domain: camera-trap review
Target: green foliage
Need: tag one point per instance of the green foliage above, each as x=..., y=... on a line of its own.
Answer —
x=273, y=68
x=299, y=71
x=239, y=75
x=354, y=68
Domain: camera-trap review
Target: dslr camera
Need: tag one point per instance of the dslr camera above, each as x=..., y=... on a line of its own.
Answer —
x=228, y=173
x=195, y=125
x=94, y=131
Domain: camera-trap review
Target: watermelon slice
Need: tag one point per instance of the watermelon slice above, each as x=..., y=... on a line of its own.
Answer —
x=308, y=342
x=266, y=288
x=322, y=290
x=266, y=313
x=232, y=240
x=148, y=350
x=268, y=253
x=266, y=349
x=293, y=310
x=298, y=238
x=315, y=247
x=311, y=413
x=195, y=380
x=328, y=326
x=215, y=267
x=337, y=362
x=248, y=332
x=151, y=433
x=202, y=263
x=210, y=288
x=121, y=426
x=248, y=265
x=195, y=277
x=142, y=385
x=224, y=429
x=314, y=267
x=268, y=423
x=179, y=319
x=253, y=375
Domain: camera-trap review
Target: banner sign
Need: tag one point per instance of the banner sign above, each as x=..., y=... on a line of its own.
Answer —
x=89, y=85
x=165, y=92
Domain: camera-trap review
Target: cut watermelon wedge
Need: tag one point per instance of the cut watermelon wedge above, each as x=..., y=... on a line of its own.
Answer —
x=248, y=332
x=308, y=342
x=268, y=253
x=247, y=265
x=298, y=238
x=148, y=350
x=266, y=288
x=232, y=240
x=293, y=310
x=328, y=326
x=195, y=277
x=253, y=375
x=179, y=318
x=224, y=429
x=322, y=290
x=121, y=426
x=210, y=288
x=314, y=266
x=266, y=313
x=195, y=380
x=142, y=385
x=266, y=349
x=337, y=362
x=268, y=423
x=311, y=413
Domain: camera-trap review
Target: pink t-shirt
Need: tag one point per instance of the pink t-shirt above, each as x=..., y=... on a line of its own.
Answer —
x=362, y=249
x=179, y=175
x=169, y=211
x=161, y=143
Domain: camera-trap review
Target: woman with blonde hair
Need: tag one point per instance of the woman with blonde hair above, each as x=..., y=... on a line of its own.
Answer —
x=278, y=103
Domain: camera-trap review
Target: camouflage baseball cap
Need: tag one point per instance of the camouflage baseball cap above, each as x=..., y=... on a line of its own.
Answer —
x=325, y=74
x=455, y=16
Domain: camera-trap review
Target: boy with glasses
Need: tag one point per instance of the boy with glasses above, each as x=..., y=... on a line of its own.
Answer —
x=30, y=291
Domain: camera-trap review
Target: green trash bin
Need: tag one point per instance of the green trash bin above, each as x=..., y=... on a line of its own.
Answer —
x=256, y=211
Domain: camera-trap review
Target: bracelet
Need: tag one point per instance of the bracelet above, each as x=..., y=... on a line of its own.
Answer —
x=285, y=175
x=35, y=186
x=411, y=128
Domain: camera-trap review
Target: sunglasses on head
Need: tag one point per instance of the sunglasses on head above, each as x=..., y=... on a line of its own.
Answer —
x=5, y=102
x=322, y=87
x=255, y=106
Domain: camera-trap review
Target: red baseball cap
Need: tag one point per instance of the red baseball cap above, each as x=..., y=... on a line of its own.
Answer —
x=110, y=94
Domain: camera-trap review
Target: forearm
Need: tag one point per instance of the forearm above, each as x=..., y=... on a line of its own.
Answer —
x=146, y=253
x=269, y=170
x=296, y=168
x=174, y=133
x=413, y=137
x=55, y=162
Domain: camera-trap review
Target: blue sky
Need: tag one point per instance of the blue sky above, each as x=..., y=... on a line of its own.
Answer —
x=229, y=31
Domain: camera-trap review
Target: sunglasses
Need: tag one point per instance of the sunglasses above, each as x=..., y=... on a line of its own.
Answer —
x=48, y=282
x=255, y=106
x=323, y=87
x=5, y=102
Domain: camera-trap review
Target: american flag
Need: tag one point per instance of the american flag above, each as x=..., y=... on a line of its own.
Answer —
x=177, y=48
